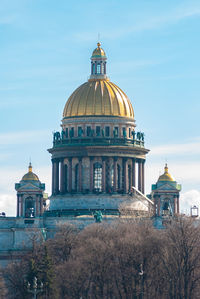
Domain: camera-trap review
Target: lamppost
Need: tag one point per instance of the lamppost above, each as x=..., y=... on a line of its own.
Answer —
x=35, y=290
x=194, y=211
x=141, y=274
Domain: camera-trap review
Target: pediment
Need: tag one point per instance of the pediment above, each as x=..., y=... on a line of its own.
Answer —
x=166, y=187
x=29, y=187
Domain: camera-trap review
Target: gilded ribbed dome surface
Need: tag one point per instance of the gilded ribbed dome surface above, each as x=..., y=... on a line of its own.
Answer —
x=98, y=97
x=166, y=176
x=30, y=176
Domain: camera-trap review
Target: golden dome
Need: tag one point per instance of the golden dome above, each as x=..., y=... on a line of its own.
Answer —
x=98, y=52
x=166, y=176
x=30, y=176
x=98, y=97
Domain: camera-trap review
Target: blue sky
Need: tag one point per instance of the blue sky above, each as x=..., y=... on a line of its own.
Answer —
x=153, y=55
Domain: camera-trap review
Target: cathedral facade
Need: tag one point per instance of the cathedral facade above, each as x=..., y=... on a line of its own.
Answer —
x=98, y=169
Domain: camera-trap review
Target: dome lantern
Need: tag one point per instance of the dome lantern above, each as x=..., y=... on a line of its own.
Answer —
x=166, y=176
x=30, y=176
x=98, y=63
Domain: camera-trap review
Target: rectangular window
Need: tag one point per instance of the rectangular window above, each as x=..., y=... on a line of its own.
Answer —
x=107, y=131
x=98, y=131
x=89, y=131
x=80, y=131
x=98, y=69
x=72, y=132
x=116, y=132
x=124, y=132
x=129, y=132
x=66, y=132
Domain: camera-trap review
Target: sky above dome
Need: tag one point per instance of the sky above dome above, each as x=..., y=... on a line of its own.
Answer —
x=153, y=56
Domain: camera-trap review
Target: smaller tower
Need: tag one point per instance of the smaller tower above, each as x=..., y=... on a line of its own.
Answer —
x=98, y=63
x=30, y=195
x=165, y=194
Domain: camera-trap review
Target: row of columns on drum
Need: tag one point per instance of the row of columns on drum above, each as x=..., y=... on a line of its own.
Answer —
x=62, y=175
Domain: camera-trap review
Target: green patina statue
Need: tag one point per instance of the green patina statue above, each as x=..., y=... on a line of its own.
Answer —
x=98, y=216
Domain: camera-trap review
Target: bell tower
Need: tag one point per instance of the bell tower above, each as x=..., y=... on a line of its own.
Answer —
x=165, y=194
x=30, y=199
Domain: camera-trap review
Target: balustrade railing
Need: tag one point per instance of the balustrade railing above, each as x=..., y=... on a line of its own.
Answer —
x=59, y=140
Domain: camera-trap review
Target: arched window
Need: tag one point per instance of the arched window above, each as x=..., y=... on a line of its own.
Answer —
x=118, y=176
x=93, y=69
x=98, y=68
x=103, y=69
x=29, y=207
x=97, y=175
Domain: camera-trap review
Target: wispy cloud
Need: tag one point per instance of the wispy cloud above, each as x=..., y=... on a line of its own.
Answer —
x=25, y=137
x=174, y=149
x=189, y=199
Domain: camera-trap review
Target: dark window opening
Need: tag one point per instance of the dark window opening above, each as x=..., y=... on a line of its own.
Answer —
x=107, y=131
x=71, y=133
x=98, y=131
x=80, y=131
x=89, y=131
x=66, y=132
x=116, y=132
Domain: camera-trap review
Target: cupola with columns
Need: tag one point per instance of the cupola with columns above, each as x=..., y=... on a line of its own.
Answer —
x=98, y=151
x=165, y=194
x=30, y=199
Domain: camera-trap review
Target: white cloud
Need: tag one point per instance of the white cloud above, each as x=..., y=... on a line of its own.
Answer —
x=8, y=204
x=189, y=199
x=25, y=137
x=180, y=149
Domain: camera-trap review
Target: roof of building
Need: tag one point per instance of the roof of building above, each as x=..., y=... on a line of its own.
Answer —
x=30, y=176
x=98, y=52
x=98, y=97
x=166, y=176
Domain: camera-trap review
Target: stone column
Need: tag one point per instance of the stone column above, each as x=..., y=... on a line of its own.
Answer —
x=103, y=174
x=17, y=205
x=80, y=175
x=53, y=176
x=36, y=205
x=177, y=205
x=133, y=172
x=41, y=205
x=158, y=206
x=125, y=173
x=91, y=174
x=143, y=181
x=139, y=176
x=62, y=177
x=22, y=206
x=70, y=175
x=56, y=177
x=115, y=174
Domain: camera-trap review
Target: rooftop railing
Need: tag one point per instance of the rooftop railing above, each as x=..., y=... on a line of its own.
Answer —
x=60, y=140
